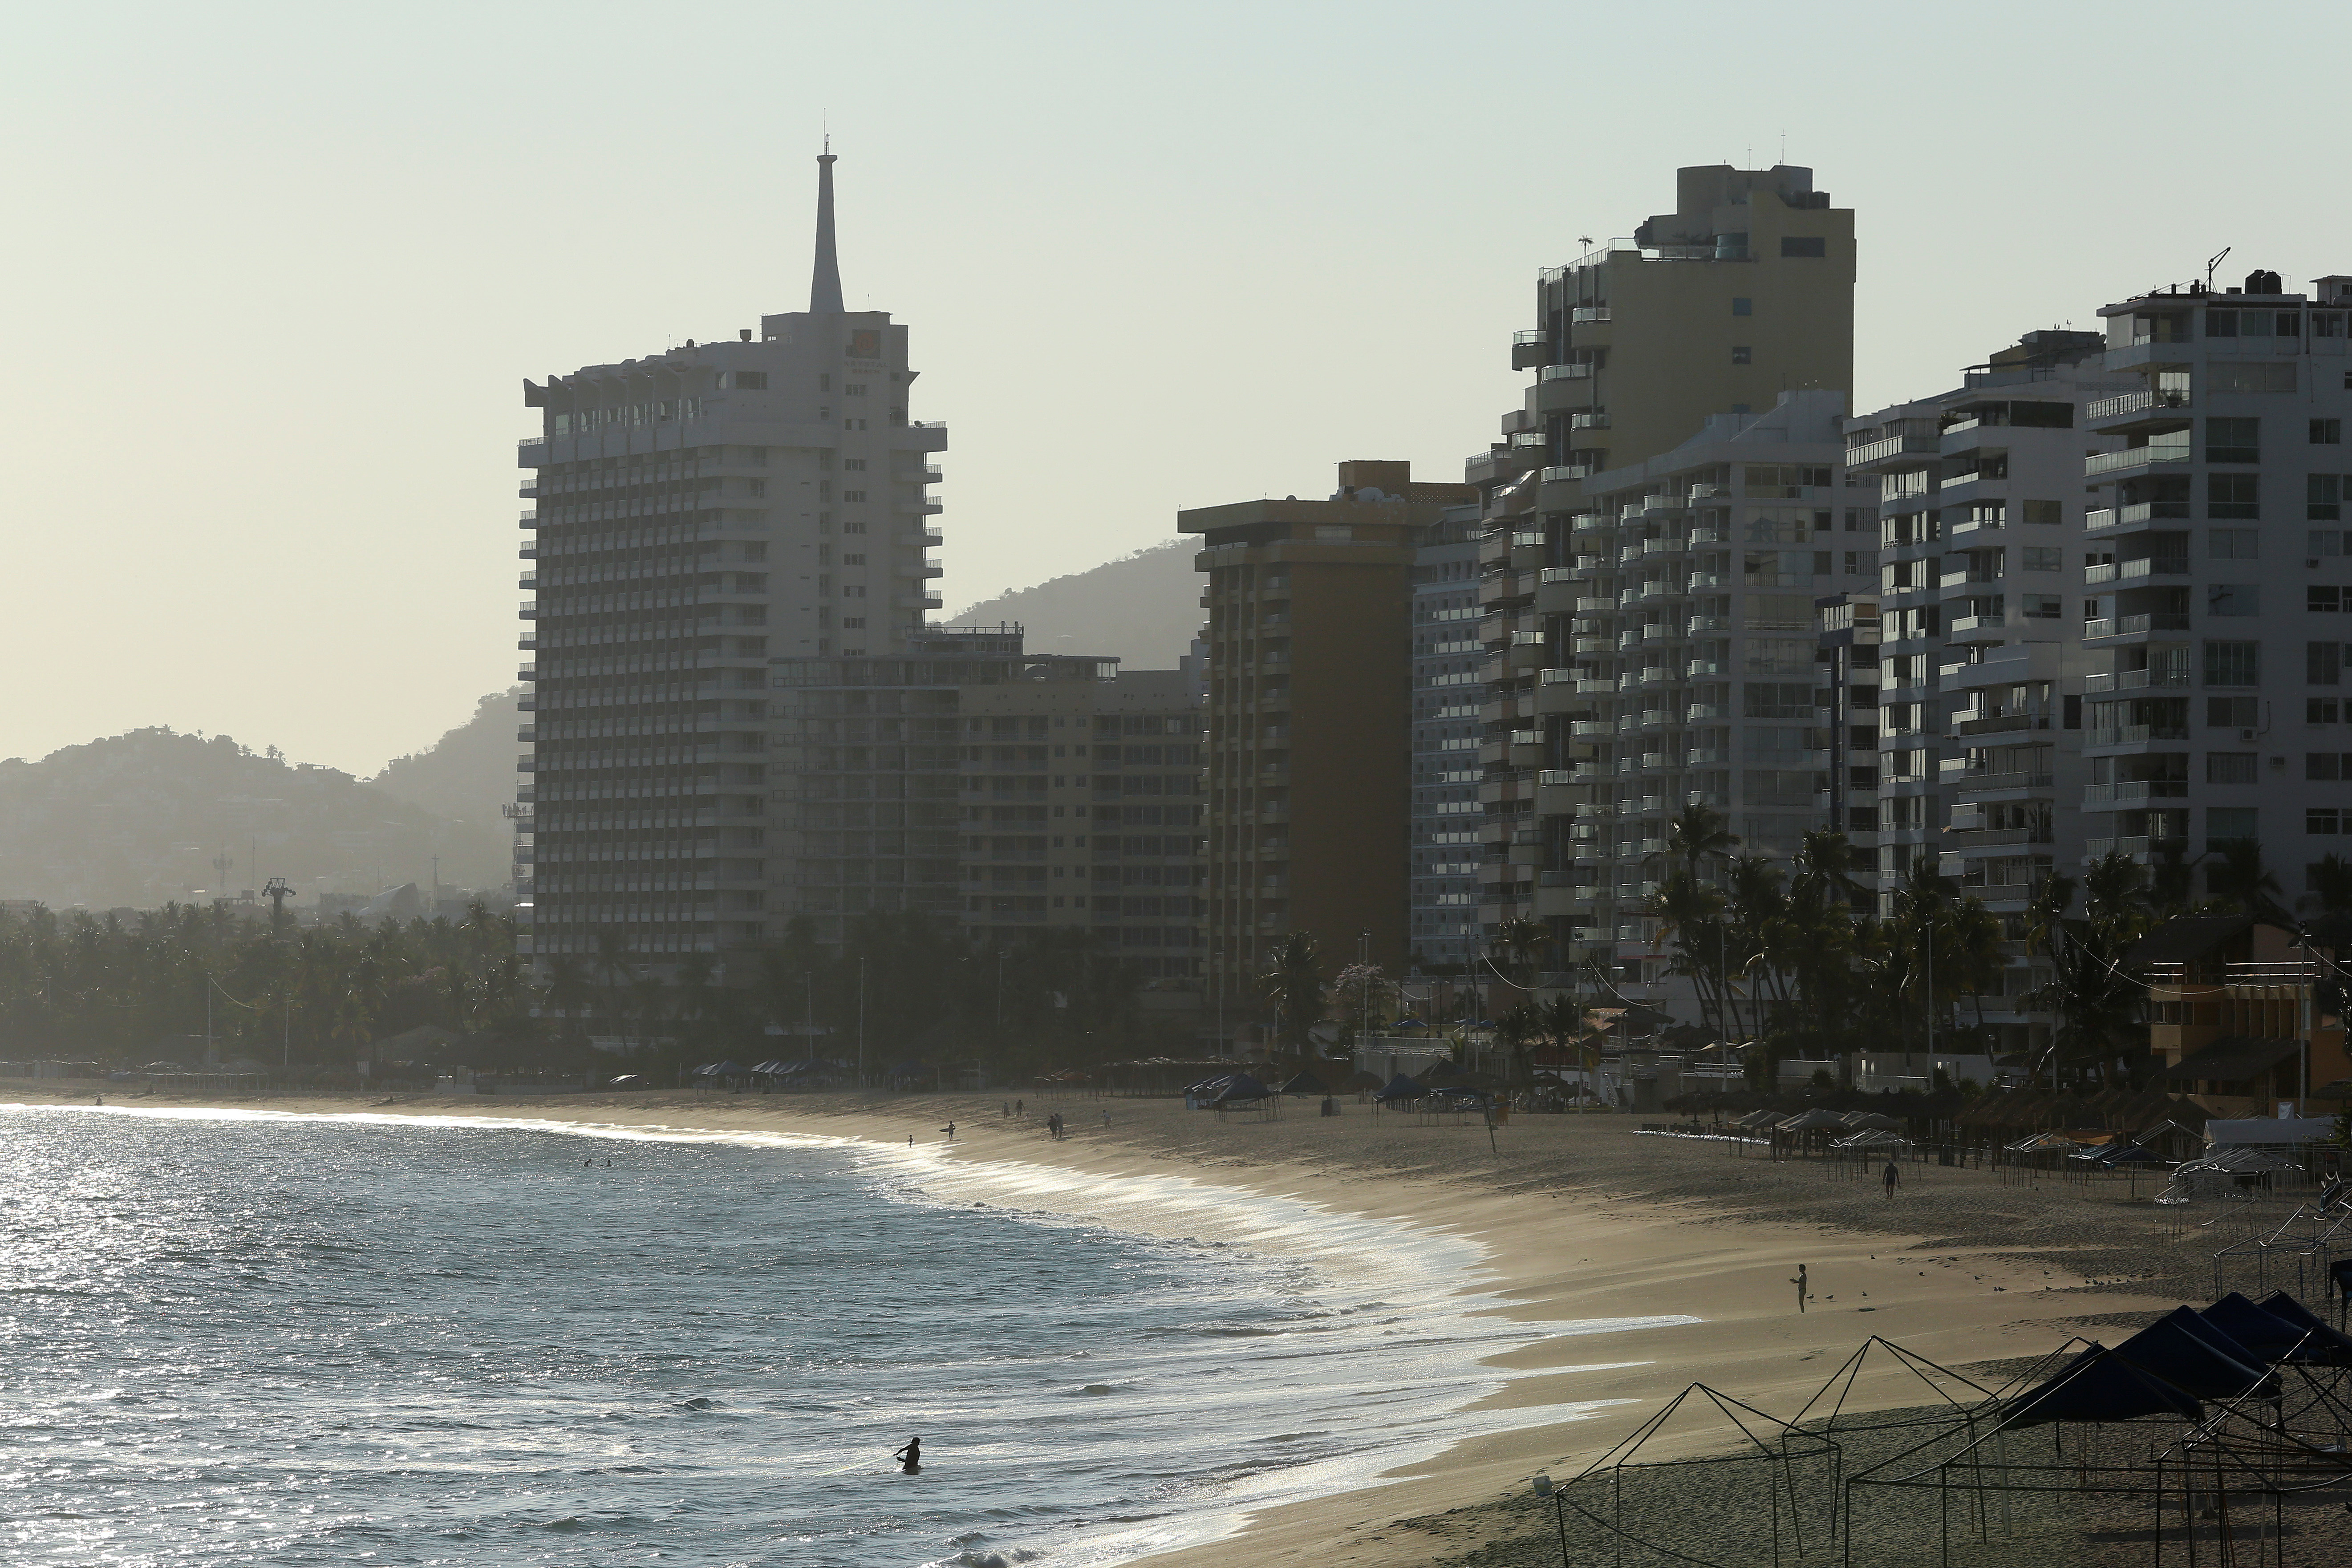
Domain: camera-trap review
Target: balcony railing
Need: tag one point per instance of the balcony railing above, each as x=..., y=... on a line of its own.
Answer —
x=2132, y=458
x=2133, y=403
x=1966, y=781
x=1565, y=372
x=2132, y=790
x=2135, y=679
x=2132, y=626
x=2133, y=734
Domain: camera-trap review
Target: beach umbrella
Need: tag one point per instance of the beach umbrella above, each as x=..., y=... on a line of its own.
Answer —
x=1363, y=1080
x=1811, y=1119
x=1400, y=1088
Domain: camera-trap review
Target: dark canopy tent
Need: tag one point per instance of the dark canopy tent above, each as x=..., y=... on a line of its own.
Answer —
x=2266, y=1333
x=2192, y=1355
x=1400, y=1088
x=1238, y=1089
x=1362, y=1080
x=2284, y=1306
x=1306, y=1083
x=2099, y=1385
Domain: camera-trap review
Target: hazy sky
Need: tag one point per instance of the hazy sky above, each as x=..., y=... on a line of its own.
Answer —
x=274, y=274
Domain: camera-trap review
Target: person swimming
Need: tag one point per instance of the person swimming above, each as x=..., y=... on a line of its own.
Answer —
x=910, y=1458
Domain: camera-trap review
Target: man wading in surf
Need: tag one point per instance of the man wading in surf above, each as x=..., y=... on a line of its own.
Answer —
x=910, y=1458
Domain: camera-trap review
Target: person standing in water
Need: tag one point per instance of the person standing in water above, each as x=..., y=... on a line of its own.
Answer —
x=910, y=1458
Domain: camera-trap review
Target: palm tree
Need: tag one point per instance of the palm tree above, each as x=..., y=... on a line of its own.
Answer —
x=1521, y=941
x=2241, y=878
x=2330, y=903
x=1696, y=836
x=1294, y=986
x=1690, y=915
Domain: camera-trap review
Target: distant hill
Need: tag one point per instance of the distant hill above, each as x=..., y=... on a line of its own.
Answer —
x=469, y=772
x=137, y=819
x=1145, y=608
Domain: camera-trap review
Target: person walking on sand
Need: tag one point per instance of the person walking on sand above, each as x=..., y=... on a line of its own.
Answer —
x=1893, y=1178
x=1799, y=1283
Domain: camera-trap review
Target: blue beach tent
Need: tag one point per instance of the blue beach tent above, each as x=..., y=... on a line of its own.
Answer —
x=2338, y=1347
x=2099, y=1385
x=2265, y=1334
x=2186, y=1351
x=1239, y=1088
x=1400, y=1088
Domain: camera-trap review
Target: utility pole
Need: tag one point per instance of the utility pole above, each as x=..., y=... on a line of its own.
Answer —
x=861, y=1022
x=808, y=1018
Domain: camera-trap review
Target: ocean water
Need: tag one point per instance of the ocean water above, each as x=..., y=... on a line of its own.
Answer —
x=241, y=1337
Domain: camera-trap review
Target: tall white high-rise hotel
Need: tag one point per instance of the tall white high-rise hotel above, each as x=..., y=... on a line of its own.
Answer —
x=701, y=512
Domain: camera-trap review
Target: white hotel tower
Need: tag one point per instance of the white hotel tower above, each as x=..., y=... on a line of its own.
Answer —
x=701, y=511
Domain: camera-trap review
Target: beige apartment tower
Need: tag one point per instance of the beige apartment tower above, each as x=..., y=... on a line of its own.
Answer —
x=1612, y=644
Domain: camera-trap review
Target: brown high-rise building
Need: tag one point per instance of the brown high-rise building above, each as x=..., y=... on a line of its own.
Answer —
x=1310, y=639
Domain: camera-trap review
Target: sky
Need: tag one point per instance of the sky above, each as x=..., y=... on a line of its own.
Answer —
x=275, y=274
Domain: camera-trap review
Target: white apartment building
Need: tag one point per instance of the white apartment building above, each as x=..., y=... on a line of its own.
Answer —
x=1447, y=691
x=1694, y=588
x=2219, y=631
x=1976, y=701
x=699, y=513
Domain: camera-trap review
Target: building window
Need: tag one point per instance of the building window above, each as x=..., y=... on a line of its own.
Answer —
x=2231, y=599
x=2043, y=512
x=2323, y=663
x=2231, y=713
x=2318, y=712
x=1740, y=353
x=2044, y=558
x=2322, y=819
x=853, y=495
x=2328, y=432
x=2226, y=823
x=2234, y=440
x=2233, y=543
x=1803, y=245
x=2229, y=767
x=1741, y=307
x=2233, y=663
x=2323, y=500
x=2044, y=606
x=2233, y=496
x=2320, y=600
x=853, y=623
x=2324, y=767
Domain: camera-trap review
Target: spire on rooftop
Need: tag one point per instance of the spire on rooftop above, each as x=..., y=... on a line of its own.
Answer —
x=824, y=284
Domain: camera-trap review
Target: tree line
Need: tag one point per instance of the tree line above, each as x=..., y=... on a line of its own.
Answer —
x=902, y=989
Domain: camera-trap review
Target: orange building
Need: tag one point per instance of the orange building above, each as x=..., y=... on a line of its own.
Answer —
x=2233, y=1017
x=1310, y=745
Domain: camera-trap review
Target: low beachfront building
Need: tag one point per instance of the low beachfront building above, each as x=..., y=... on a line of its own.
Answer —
x=2235, y=1019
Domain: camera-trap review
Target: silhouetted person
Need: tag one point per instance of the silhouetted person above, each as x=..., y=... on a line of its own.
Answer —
x=1892, y=1177
x=1799, y=1283
x=910, y=1458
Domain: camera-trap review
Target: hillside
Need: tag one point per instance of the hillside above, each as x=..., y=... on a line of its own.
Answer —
x=1145, y=608
x=137, y=819
x=467, y=775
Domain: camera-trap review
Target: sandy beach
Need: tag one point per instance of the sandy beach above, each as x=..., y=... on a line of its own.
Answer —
x=1581, y=1218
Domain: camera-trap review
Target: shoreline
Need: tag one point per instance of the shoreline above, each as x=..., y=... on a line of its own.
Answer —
x=1560, y=1247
